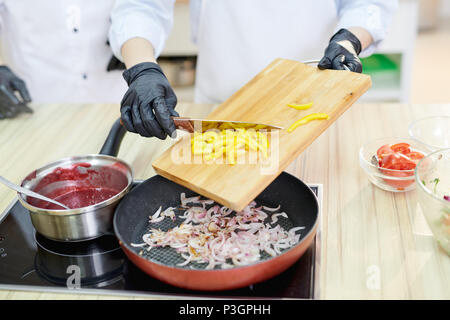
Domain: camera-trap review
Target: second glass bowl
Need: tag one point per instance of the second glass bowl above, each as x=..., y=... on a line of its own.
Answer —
x=433, y=132
x=433, y=178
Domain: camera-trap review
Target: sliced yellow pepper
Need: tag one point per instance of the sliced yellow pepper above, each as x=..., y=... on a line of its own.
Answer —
x=231, y=142
x=262, y=139
x=308, y=118
x=210, y=136
x=225, y=126
x=263, y=144
x=197, y=147
x=300, y=106
x=231, y=155
x=214, y=155
x=253, y=144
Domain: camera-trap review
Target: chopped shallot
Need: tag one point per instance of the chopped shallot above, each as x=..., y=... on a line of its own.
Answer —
x=272, y=209
x=216, y=237
x=185, y=200
x=276, y=215
x=159, y=216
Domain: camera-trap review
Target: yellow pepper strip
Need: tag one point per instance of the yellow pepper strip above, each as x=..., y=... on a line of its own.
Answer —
x=225, y=126
x=300, y=106
x=230, y=136
x=210, y=136
x=263, y=143
x=214, y=155
x=259, y=127
x=197, y=147
x=253, y=144
x=231, y=155
x=306, y=119
x=262, y=138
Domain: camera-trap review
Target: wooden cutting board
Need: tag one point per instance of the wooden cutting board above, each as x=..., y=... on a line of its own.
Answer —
x=264, y=99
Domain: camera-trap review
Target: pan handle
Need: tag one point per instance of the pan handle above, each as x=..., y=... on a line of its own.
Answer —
x=114, y=139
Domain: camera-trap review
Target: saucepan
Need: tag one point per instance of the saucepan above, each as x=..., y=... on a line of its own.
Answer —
x=91, y=185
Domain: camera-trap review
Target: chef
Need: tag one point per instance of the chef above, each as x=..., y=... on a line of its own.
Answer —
x=56, y=51
x=236, y=39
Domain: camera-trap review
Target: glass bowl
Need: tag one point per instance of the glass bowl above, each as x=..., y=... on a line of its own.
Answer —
x=433, y=132
x=388, y=179
x=432, y=174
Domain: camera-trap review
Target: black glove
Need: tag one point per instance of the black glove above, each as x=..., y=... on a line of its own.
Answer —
x=149, y=103
x=10, y=104
x=342, y=51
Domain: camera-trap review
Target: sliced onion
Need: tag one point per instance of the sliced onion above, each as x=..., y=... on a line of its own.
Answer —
x=185, y=200
x=276, y=215
x=272, y=209
x=210, y=236
x=156, y=214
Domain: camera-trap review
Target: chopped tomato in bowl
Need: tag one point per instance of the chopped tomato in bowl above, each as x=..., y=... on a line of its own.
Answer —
x=400, y=161
x=390, y=162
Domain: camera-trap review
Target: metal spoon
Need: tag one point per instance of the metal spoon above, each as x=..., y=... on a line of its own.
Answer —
x=30, y=193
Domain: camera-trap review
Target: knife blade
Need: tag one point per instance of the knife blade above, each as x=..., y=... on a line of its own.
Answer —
x=202, y=125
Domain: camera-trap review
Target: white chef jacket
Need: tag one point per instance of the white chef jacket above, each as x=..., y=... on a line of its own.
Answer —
x=238, y=38
x=59, y=48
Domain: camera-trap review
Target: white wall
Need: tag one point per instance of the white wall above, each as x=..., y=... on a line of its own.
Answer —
x=444, y=9
x=432, y=13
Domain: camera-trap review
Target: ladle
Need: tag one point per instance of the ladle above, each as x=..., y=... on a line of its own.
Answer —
x=30, y=193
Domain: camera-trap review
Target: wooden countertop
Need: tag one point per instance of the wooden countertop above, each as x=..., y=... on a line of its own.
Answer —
x=375, y=244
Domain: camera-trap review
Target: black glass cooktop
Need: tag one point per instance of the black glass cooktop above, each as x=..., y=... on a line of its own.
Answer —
x=28, y=261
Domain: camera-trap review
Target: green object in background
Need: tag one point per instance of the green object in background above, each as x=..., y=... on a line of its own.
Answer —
x=380, y=63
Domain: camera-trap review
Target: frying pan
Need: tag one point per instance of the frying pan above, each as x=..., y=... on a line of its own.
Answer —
x=131, y=223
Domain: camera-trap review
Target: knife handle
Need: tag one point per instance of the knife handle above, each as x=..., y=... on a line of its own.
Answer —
x=183, y=123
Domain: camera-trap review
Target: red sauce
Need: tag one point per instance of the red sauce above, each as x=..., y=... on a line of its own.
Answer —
x=80, y=185
x=63, y=174
x=81, y=197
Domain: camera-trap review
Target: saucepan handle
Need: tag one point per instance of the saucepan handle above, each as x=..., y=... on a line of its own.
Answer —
x=112, y=144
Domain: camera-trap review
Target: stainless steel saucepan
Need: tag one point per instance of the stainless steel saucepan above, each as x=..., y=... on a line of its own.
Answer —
x=81, y=179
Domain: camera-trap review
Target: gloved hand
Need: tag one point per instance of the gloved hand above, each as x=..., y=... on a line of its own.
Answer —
x=10, y=104
x=343, y=50
x=149, y=103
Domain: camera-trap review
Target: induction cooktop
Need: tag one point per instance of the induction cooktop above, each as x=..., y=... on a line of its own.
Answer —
x=31, y=262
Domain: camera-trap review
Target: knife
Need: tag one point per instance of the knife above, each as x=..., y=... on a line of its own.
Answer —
x=21, y=106
x=202, y=125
